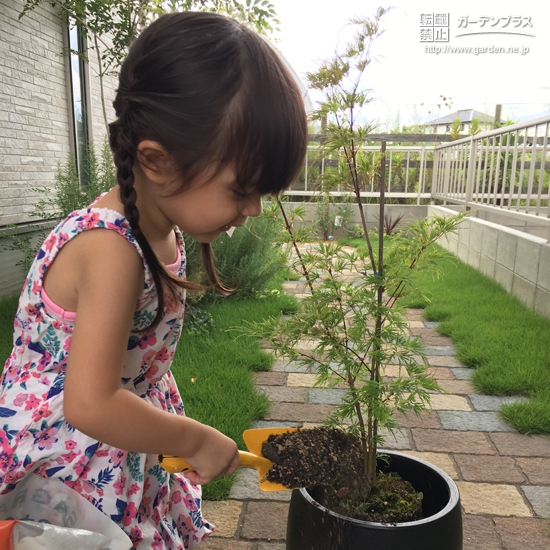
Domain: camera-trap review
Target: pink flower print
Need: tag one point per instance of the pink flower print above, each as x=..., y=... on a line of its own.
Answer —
x=190, y=502
x=153, y=369
x=120, y=484
x=150, y=340
x=155, y=516
x=13, y=477
x=33, y=311
x=5, y=459
x=32, y=403
x=20, y=399
x=46, y=436
x=81, y=467
x=144, y=509
x=69, y=457
x=44, y=361
x=49, y=243
x=146, y=485
x=62, y=238
x=184, y=524
x=133, y=489
x=88, y=487
x=90, y=220
x=10, y=373
x=135, y=536
x=67, y=343
x=102, y=452
x=157, y=542
x=4, y=444
x=118, y=457
x=162, y=355
x=148, y=358
x=70, y=444
x=176, y=497
x=129, y=514
x=36, y=287
x=41, y=413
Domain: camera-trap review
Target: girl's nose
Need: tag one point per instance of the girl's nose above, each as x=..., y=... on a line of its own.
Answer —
x=253, y=206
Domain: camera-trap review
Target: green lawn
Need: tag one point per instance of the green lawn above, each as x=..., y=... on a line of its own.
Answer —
x=507, y=343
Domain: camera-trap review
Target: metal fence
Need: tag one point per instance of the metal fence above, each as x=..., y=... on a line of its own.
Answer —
x=505, y=170
x=408, y=173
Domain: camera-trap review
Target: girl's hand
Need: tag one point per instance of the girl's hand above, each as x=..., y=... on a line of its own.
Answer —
x=217, y=456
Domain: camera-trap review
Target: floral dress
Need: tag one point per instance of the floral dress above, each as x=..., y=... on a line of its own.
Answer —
x=156, y=509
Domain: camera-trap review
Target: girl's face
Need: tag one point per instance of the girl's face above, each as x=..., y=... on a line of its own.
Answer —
x=211, y=206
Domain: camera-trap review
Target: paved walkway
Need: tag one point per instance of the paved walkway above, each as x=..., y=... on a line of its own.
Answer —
x=503, y=476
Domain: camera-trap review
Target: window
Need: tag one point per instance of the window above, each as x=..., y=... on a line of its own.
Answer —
x=79, y=98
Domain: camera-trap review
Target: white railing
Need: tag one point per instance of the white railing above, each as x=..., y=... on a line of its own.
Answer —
x=408, y=173
x=505, y=170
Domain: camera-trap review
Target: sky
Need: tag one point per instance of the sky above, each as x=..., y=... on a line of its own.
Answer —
x=477, y=53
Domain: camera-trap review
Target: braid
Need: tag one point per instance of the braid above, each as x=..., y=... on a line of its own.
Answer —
x=124, y=162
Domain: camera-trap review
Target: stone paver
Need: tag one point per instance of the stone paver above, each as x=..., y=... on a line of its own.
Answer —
x=537, y=470
x=441, y=460
x=479, y=533
x=224, y=515
x=213, y=543
x=265, y=520
x=302, y=380
x=497, y=500
x=487, y=468
x=445, y=402
x=439, y=350
x=473, y=421
x=441, y=373
x=452, y=442
x=425, y=420
x=326, y=396
x=493, y=402
x=431, y=338
x=514, y=444
x=270, y=378
x=271, y=546
x=457, y=387
x=284, y=393
x=523, y=534
x=463, y=373
x=539, y=498
x=444, y=361
x=283, y=365
x=298, y=412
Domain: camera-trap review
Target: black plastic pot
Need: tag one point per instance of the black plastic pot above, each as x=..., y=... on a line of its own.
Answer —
x=314, y=527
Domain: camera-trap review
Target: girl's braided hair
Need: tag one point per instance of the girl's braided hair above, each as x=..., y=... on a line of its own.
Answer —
x=212, y=92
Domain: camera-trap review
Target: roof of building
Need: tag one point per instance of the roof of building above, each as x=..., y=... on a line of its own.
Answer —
x=465, y=115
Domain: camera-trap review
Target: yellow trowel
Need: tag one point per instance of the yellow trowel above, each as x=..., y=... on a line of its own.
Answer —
x=251, y=459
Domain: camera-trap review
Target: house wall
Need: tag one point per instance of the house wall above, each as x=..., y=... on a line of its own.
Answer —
x=35, y=119
x=518, y=261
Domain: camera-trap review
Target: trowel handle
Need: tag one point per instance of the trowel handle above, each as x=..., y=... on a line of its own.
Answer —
x=174, y=464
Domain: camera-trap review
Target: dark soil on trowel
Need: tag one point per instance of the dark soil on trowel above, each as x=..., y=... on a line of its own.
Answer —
x=329, y=463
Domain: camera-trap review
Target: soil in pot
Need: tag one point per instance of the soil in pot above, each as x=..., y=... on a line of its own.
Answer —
x=329, y=463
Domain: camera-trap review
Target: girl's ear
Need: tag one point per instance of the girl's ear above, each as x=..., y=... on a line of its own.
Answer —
x=156, y=162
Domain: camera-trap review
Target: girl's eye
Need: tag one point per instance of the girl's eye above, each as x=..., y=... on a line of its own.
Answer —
x=240, y=195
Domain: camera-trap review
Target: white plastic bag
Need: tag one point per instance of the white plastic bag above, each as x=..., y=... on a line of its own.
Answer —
x=56, y=517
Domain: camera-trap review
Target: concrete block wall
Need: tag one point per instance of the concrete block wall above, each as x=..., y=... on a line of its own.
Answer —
x=372, y=211
x=518, y=261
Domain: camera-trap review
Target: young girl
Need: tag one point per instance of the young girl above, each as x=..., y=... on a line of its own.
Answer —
x=208, y=121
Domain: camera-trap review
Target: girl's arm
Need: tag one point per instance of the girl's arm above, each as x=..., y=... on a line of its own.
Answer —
x=109, y=279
